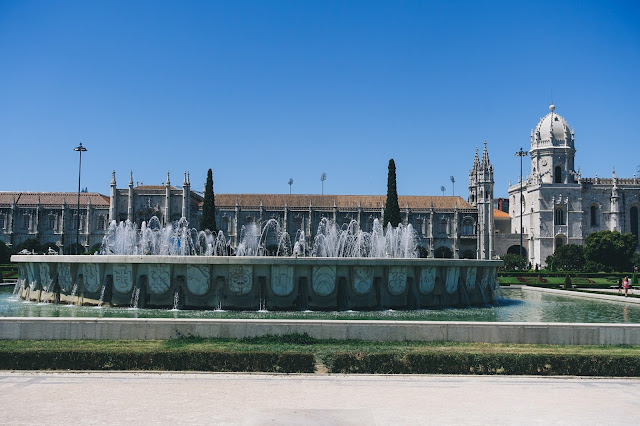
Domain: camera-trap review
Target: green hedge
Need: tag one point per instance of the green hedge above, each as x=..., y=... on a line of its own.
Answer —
x=192, y=360
x=546, y=273
x=464, y=363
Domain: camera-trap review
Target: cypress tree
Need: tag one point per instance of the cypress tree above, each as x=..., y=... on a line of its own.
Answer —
x=208, y=218
x=391, y=208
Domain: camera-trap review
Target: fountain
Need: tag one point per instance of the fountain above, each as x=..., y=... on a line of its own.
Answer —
x=174, y=266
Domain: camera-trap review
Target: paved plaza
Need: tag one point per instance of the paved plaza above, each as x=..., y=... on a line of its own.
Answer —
x=217, y=398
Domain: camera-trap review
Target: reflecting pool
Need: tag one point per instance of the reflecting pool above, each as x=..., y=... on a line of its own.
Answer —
x=516, y=306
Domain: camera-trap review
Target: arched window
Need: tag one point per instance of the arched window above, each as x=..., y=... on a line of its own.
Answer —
x=559, y=242
x=468, y=254
x=226, y=224
x=443, y=226
x=443, y=253
x=100, y=223
x=417, y=225
x=467, y=227
x=634, y=220
x=559, y=217
x=557, y=174
x=594, y=215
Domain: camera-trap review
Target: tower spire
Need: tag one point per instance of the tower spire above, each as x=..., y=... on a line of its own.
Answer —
x=485, y=155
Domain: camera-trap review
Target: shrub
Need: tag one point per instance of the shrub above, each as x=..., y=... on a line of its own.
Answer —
x=514, y=261
x=479, y=363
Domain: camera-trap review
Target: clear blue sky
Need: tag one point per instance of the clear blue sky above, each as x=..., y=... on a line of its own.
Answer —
x=265, y=91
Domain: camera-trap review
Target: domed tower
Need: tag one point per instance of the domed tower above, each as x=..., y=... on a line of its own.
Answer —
x=553, y=150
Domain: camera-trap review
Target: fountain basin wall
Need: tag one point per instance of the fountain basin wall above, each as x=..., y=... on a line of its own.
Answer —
x=253, y=283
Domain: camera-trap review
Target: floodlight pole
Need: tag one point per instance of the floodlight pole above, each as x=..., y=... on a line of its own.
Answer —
x=323, y=177
x=521, y=154
x=453, y=185
x=80, y=149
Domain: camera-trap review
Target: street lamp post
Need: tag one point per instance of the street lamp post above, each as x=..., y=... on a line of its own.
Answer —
x=323, y=177
x=80, y=149
x=521, y=154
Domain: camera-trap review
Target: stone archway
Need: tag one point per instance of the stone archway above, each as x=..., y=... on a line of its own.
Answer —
x=515, y=249
x=443, y=253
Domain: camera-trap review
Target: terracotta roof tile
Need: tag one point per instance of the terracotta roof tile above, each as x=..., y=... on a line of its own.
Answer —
x=499, y=214
x=28, y=199
x=340, y=201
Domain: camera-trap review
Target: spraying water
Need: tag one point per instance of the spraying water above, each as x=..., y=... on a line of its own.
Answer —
x=178, y=239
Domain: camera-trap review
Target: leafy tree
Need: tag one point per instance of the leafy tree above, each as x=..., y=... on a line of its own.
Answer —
x=46, y=246
x=610, y=250
x=392, y=208
x=94, y=248
x=5, y=253
x=31, y=244
x=514, y=261
x=208, y=218
x=71, y=249
x=569, y=257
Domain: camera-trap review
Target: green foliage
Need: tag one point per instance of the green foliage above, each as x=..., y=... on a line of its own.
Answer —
x=635, y=260
x=429, y=362
x=5, y=253
x=31, y=244
x=208, y=218
x=391, y=208
x=569, y=257
x=513, y=261
x=168, y=360
x=52, y=246
x=71, y=249
x=291, y=338
x=94, y=248
x=609, y=250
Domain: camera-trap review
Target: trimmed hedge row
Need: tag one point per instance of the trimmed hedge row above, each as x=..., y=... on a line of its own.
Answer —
x=251, y=361
x=545, y=273
x=463, y=363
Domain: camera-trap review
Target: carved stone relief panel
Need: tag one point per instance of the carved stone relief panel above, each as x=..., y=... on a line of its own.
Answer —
x=324, y=280
x=471, y=277
x=362, y=279
x=64, y=276
x=91, y=272
x=453, y=273
x=123, y=277
x=427, y=280
x=159, y=278
x=198, y=279
x=282, y=279
x=45, y=276
x=397, y=280
x=240, y=279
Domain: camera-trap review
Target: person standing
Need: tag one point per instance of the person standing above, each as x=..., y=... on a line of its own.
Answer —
x=619, y=285
x=625, y=285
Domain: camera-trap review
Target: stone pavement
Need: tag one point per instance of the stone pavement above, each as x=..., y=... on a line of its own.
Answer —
x=251, y=399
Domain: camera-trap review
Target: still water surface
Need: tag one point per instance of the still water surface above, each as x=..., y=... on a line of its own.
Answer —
x=516, y=306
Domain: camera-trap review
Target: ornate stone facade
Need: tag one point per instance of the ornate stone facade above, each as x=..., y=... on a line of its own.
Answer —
x=52, y=217
x=560, y=206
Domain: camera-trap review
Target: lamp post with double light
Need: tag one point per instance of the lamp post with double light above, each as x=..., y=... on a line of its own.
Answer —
x=521, y=154
x=80, y=149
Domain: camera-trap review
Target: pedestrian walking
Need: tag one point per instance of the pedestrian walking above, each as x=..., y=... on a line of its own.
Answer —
x=625, y=285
